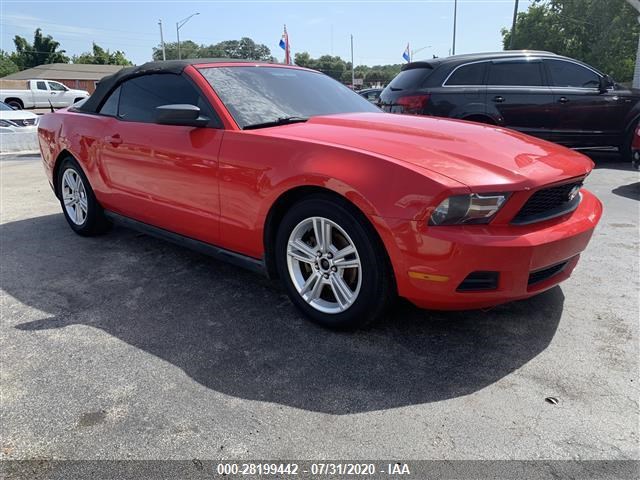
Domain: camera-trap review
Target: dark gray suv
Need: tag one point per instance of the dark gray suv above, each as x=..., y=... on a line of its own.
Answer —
x=538, y=93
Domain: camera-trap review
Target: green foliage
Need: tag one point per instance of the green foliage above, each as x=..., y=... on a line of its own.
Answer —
x=7, y=66
x=100, y=56
x=339, y=69
x=601, y=33
x=245, y=48
x=43, y=50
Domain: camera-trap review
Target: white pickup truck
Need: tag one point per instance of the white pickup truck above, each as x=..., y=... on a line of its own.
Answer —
x=21, y=94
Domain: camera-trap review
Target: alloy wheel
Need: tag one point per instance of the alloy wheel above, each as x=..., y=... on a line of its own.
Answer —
x=74, y=196
x=324, y=265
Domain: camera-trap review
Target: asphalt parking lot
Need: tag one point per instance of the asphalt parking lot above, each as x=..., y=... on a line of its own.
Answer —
x=127, y=347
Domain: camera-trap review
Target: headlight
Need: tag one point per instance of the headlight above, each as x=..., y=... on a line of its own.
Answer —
x=474, y=208
x=6, y=123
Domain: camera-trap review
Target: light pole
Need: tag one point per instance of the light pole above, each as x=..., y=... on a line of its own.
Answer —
x=413, y=52
x=179, y=25
x=455, y=15
x=164, y=54
x=353, y=68
x=513, y=26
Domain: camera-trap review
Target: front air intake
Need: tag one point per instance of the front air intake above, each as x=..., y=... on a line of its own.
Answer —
x=476, y=281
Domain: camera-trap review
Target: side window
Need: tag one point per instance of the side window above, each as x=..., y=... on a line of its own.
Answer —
x=57, y=87
x=567, y=74
x=519, y=73
x=140, y=96
x=41, y=85
x=472, y=74
x=110, y=107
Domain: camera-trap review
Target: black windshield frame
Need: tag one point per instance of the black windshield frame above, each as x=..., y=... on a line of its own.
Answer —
x=256, y=95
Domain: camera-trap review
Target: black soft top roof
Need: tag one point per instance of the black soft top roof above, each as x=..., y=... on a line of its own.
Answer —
x=107, y=84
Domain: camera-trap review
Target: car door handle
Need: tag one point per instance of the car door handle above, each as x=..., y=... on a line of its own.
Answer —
x=563, y=99
x=498, y=99
x=114, y=140
x=52, y=93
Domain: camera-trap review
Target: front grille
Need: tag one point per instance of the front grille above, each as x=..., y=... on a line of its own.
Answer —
x=27, y=122
x=479, y=281
x=546, y=273
x=548, y=203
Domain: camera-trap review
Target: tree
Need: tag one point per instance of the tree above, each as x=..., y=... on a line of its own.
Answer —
x=602, y=34
x=7, y=66
x=245, y=48
x=100, y=56
x=339, y=69
x=334, y=67
x=43, y=50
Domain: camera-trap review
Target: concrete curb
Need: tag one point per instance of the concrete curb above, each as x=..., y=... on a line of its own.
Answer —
x=12, y=142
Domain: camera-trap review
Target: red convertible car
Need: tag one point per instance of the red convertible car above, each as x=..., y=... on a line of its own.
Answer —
x=285, y=171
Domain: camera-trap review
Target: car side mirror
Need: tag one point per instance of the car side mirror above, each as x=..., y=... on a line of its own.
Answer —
x=180, y=114
x=604, y=84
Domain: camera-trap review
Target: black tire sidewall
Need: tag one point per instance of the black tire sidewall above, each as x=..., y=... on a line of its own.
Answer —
x=625, y=149
x=95, y=221
x=375, y=288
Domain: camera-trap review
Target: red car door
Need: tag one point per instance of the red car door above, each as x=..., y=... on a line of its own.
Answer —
x=163, y=175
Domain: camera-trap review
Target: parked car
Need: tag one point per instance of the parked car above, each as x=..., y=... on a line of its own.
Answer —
x=21, y=94
x=635, y=146
x=538, y=93
x=284, y=171
x=371, y=94
x=16, y=120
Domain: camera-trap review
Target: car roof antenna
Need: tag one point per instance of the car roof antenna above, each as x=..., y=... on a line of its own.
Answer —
x=51, y=106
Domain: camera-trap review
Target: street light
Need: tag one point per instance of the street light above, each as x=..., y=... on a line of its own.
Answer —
x=455, y=18
x=179, y=25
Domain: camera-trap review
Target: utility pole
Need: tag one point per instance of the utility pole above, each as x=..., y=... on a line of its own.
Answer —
x=455, y=15
x=636, y=73
x=353, y=68
x=179, y=25
x=164, y=53
x=513, y=26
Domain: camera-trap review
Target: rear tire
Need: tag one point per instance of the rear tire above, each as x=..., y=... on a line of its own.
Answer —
x=343, y=283
x=82, y=211
x=625, y=149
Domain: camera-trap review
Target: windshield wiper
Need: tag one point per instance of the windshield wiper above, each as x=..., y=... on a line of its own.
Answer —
x=276, y=122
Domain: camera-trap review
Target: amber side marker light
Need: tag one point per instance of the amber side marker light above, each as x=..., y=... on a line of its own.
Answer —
x=428, y=276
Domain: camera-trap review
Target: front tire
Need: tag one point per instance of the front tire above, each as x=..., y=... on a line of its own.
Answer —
x=79, y=205
x=332, y=263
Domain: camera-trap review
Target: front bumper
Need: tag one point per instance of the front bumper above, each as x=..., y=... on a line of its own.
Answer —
x=432, y=262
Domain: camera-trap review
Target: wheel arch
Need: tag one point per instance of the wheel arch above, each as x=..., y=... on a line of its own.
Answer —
x=14, y=99
x=295, y=194
x=64, y=153
x=479, y=118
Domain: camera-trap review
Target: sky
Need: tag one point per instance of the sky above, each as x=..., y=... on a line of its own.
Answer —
x=381, y=29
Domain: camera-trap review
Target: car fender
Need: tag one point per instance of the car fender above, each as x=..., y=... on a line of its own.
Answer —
x=258, y=167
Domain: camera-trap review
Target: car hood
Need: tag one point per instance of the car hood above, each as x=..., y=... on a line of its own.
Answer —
x=473, y=154
x=16, y=115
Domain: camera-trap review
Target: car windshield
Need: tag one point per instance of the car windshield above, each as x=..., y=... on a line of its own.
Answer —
x=270, y=96
x=4, y=106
